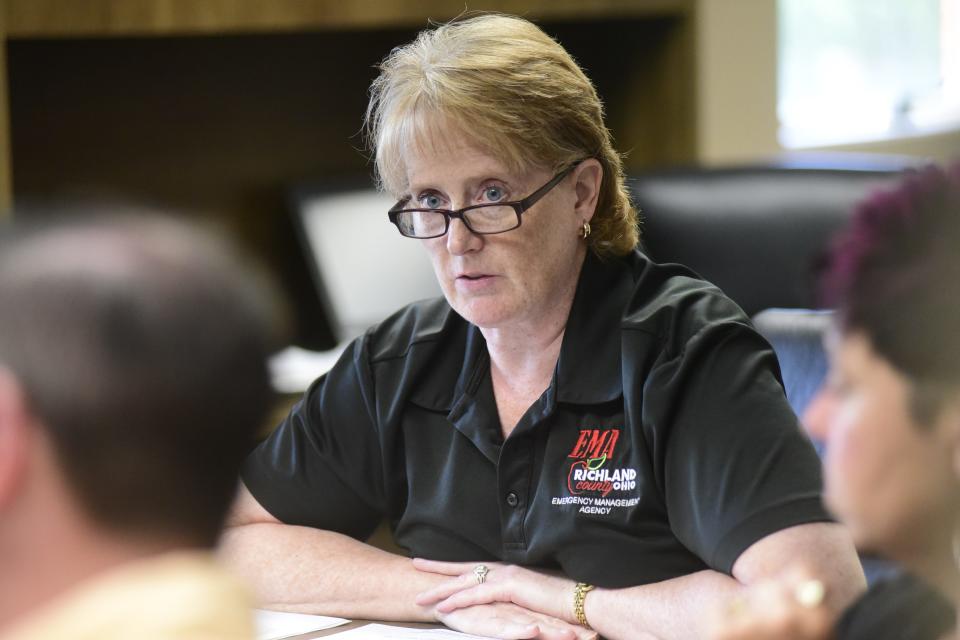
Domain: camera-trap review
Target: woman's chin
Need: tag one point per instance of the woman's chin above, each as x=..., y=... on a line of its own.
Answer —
x=486, y=313
x=864, y=530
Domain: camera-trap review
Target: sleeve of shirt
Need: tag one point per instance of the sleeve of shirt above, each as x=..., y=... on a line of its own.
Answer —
x=322, y=467
x=898, y=608
x=734, y=463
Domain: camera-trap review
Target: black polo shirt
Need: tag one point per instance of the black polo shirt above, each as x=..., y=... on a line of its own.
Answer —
x=664, y=444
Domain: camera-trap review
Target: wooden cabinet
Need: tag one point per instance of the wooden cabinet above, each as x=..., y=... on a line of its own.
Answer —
x=220, y=105
x=45, y=18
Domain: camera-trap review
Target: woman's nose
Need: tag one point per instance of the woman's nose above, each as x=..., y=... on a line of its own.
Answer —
x=816, y=418
x=460, y=239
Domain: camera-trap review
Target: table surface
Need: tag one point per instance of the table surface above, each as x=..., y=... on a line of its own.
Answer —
x=353, y=624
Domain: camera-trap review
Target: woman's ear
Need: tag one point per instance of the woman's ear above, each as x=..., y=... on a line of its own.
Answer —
x=15, y=425
x=955, y=447
x=587, y=178
x=949, y=426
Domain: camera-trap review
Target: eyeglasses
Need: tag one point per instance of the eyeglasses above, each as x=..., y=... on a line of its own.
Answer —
x=482, y=219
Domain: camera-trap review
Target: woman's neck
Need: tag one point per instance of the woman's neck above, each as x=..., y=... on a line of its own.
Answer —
x=939, y=566
x=520, y=373
x=531, y=345
x=524, y=355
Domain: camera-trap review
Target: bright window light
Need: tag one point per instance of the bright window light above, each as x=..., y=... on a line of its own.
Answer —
x=861, y=70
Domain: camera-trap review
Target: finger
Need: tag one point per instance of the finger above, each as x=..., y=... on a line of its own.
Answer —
x=516, y=623
x=445, y=568
x=517, y=617
x=562, y=630
x=740, y=629
x=517, y=631
x=796, y=573
x=479, y=594
x=493, y=625
x=551, y=632
x=550, y=628
x=445, y=589
x=724, y=629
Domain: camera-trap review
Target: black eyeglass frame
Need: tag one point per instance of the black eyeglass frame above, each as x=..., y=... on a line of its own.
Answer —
x=519, y=206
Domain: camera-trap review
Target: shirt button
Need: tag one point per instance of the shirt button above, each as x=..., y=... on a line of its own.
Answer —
x=512, y=499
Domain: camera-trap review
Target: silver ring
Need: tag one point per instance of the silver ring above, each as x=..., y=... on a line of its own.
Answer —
x=481, y=572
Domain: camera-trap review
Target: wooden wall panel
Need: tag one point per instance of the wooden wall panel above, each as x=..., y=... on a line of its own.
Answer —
x=45, y=18
x=225, y=124
x=6, y=187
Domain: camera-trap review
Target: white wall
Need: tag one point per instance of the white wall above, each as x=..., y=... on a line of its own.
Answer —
x=737, y=89
x=736, y=80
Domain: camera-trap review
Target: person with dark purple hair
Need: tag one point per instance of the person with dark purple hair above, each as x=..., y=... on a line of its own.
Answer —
x=890, y=413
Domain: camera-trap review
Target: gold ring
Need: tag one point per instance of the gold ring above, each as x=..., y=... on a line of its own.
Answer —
x=809, y=593
x=481, y=572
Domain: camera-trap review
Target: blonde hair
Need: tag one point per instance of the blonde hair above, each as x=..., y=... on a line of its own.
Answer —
x=512, y=91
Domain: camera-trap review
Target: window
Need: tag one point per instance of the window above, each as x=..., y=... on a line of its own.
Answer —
x=860, y=70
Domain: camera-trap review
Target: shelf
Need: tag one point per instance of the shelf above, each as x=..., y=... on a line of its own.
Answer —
x=220, y=107
x=100, y=18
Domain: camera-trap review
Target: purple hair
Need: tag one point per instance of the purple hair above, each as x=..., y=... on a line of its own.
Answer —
x=894, y=274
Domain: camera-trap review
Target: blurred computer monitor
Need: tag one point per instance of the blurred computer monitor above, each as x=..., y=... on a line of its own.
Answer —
x=362, y=267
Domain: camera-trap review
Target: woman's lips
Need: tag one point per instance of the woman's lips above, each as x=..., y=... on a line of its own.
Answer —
x=474, y=282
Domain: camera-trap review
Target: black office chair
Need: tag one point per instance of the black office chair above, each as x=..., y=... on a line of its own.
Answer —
x=755, y=231
x=797, y=337
x=758, y=233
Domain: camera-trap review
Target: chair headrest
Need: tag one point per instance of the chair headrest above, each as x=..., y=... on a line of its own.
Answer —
x=797, y=337
x=756, y=232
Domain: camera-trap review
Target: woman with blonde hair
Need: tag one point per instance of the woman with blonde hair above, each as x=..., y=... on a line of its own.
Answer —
x=588, y=438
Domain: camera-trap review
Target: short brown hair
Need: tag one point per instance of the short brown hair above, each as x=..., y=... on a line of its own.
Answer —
x=141, y=347
x=894, y=275
x=513, y=91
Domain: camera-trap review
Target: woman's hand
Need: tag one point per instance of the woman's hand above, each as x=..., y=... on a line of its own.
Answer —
x=537, y=593
x=788, y=608
x=509, y=621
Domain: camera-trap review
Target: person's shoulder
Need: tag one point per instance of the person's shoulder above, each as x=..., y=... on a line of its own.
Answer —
x=902, y=607
x=420, y=323
x=674, y=303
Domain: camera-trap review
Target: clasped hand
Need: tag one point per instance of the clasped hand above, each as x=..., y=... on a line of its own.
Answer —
x=774, y=609
x=511, y=603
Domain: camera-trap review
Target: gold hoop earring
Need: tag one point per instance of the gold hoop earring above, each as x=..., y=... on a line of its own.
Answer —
x=585, y=230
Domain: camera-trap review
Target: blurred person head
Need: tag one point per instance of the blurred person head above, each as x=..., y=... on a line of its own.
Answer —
x=491, y=109
x=132, y=382
x=891, y=409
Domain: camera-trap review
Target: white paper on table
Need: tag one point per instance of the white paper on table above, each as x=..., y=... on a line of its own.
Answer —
x=386, y=632
x=273, y=625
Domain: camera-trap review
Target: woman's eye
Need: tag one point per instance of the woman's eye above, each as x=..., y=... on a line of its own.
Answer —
x=493, y=194
x=430, y=201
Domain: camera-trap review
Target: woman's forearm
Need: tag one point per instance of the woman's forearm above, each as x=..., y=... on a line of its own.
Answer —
x=310, y=570
x=675, y=608
x=671, y=609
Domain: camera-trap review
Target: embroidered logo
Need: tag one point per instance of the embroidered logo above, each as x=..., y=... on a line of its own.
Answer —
x=590, y=481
